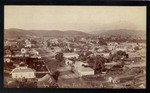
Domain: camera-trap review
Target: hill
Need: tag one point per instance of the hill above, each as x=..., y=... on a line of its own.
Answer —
x=121, y=32
x=16, y=33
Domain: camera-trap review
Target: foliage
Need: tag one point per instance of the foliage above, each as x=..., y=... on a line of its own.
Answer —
x=84, y=55
x=102, y=41
x=99, y=63
x=59, y=56
x=120, y=55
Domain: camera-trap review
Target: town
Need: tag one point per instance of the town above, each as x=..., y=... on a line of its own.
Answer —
x=75, y=62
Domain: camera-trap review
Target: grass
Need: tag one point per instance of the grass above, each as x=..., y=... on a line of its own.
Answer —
x=79, y=83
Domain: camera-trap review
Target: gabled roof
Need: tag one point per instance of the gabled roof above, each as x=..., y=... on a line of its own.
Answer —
x=22, y=70
x=70, y=54
x=47, y=79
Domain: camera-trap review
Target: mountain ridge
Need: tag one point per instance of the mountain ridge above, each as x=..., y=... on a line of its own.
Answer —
x=14, y=33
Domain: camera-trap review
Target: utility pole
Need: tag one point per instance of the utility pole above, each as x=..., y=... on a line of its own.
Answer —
x=23, y=51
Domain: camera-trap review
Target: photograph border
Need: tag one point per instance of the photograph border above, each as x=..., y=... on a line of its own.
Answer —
x=72, y=3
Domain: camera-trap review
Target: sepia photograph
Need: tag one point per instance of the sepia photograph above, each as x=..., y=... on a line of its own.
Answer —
x=54, y=46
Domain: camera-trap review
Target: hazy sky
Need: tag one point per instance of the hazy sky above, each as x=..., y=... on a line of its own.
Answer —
x=83, y=18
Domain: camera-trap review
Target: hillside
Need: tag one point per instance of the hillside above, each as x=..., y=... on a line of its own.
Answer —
x=121, y=32
x=17, y=33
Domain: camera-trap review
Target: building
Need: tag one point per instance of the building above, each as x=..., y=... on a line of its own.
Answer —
x=33, y=51
x=111, y=47
x=134, y=56
x=80, y=69
x=7, y=59
x=45, y=81
x=54, y=40
x=23, y=72
x=27, y=43
x=8, y=52
x=121, y=48
x=137, y=65
x=10, y=43
x=57, y=49
x=71, y=55
x=104, y=54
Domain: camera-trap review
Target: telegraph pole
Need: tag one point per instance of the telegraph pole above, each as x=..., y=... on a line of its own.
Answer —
x=23, y=51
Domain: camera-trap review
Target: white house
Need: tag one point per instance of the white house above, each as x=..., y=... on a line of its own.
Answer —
x=27, y=43
x=23, y=72
x=104, y=54
x=7, y=59
x=34, y=51
x=71, y=55
x=81, y=70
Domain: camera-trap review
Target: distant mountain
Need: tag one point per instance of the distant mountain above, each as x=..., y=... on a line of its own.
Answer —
x=16, y=33
x=121, y=32
x=76, y=33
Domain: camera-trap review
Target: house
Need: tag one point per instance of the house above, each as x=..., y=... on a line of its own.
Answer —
x=121, y=48
x=80, y=69
x=10, y=43
x=137, y=65
x=57, y=49
x=83, y=39
x=112, y=44
x=110, y=65
x=104, y=54
x=23, y=72
x=8, y=52
x=54, y=40
x=71, y=55
x=122, y=79
x=27, y=43
x=45, y=81
x=76, y=49
x=34, y=51
x=130, y=49
x=134, y=56
x=111, y=47
x=7, y=59
x=142, y=52
x=100, y=48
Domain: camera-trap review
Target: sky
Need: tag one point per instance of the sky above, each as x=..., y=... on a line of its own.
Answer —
x=81, y=18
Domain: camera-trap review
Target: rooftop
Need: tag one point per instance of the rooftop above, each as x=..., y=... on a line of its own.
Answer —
x=69, y=54
x=22, y=69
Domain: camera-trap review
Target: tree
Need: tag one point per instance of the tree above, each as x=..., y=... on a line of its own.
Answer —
x=119, y=55
x=99, y=63
x=102, y=41
x=59, y=56
x=88, y=53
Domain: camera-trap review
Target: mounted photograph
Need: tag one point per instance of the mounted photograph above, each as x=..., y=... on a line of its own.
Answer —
x=51, y=46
